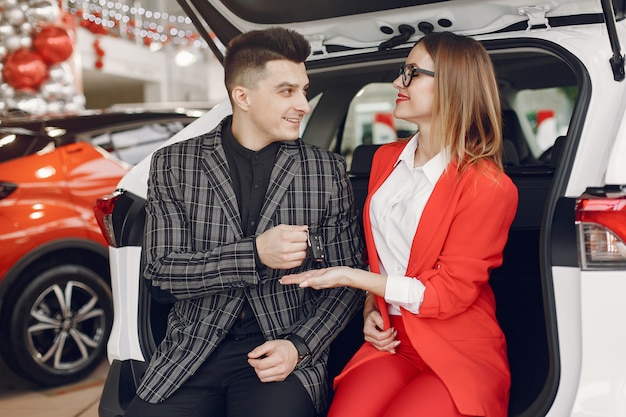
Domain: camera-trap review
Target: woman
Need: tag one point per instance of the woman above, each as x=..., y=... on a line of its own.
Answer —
x=437, y=217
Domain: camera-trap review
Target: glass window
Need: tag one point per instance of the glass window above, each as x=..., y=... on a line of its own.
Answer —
x=370, y=119
x=14, y=144
x=133, y=144
x=544, y=114
x=305, y=120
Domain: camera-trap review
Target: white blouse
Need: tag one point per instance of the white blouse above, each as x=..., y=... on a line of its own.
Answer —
x=395, y=211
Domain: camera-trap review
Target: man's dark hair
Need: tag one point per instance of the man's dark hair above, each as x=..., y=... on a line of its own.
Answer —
x=247, y=54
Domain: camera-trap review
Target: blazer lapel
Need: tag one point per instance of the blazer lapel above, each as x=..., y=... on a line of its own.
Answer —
x=378, y=175
x=433, y=225
x=216, y=169
x=287, y=166
x=436, y=217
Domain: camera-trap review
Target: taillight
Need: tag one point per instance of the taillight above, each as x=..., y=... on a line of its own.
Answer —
x=601, y=223
x=103, y=209
x=6, y=188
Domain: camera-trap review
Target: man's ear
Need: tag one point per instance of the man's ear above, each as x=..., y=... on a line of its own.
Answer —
x=240, y=98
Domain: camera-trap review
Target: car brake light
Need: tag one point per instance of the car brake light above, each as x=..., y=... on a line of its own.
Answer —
x=601, y=223
x=103, y=208
x=6, y=188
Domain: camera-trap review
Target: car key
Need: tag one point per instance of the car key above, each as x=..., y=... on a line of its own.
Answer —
x=315, y=243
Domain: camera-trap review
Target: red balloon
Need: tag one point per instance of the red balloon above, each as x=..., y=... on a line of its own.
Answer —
x=24, y=69
x=53, y=44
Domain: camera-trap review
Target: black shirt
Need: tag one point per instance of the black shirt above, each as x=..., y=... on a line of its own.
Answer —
x=250, y=173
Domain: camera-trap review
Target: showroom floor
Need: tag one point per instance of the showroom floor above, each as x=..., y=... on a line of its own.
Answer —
x=20, y=398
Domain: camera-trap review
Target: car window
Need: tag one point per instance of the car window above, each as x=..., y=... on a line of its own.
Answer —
x=132, y=145
x=305, y=120
x=370, y=119
x=14, y=144
x=544, y=115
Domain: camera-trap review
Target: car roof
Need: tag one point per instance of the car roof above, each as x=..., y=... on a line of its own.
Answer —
x=349, y=27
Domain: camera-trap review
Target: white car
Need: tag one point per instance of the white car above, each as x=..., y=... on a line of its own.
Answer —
x=561, y=291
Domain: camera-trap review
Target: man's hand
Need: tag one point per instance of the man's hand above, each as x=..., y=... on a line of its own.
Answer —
x=274, y=360
x=283, y=246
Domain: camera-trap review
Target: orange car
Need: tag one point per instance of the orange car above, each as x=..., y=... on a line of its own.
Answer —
x=55, y=300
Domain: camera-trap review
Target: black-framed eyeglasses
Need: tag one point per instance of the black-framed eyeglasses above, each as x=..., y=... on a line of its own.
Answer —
x=408, y=71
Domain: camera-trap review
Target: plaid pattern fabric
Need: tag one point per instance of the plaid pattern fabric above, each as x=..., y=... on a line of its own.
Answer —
x=195, y=250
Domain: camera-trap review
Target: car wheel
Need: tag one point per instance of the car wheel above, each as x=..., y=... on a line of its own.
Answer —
x=59, y=326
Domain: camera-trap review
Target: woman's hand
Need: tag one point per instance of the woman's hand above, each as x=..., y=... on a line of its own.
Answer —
x=341, y=276
x=384, y=340
x=336, y=276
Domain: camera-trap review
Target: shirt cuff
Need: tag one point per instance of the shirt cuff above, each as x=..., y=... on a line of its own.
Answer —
x=405, y=292
x=261, y=269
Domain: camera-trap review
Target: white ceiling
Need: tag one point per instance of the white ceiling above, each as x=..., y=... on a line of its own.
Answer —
x=98, y=81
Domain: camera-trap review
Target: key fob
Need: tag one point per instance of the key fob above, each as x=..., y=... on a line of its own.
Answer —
x=316, y=245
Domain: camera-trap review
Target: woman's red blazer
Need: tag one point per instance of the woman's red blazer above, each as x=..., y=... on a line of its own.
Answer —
x=459, y=240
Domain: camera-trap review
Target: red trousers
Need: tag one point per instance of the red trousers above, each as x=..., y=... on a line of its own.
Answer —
x=399, y=385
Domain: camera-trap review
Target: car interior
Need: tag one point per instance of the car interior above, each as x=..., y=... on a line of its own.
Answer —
x=522, y=294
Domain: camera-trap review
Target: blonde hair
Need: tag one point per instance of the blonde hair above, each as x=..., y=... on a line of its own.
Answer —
x=467, y=116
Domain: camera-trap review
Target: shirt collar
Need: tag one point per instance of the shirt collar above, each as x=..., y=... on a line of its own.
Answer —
x=240, y=151
x=432, y=169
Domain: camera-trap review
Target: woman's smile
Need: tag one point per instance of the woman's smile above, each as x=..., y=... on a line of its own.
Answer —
x=401, y=98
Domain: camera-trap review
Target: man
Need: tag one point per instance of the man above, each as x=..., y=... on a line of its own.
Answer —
x=228, y=214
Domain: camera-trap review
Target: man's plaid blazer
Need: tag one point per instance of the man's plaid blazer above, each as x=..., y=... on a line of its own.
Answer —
x=195, y=251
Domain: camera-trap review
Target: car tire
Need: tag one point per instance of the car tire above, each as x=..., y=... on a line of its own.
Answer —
x=59, y=326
